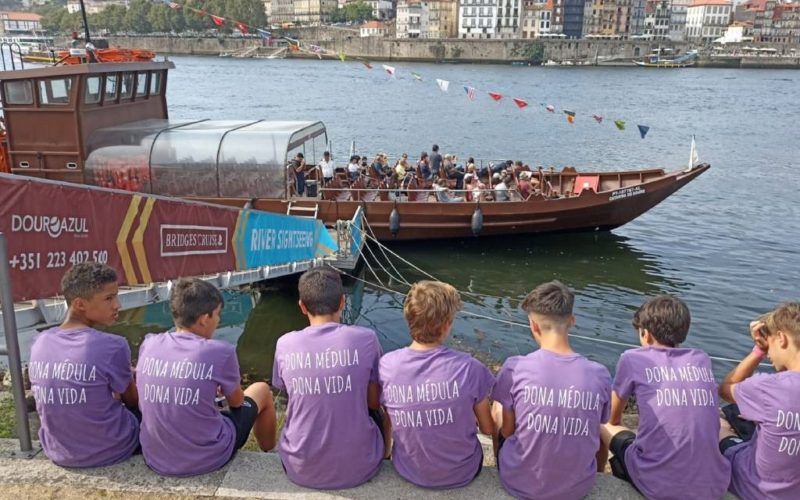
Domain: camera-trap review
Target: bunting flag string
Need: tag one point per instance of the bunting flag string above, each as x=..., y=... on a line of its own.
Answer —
x=443, y=85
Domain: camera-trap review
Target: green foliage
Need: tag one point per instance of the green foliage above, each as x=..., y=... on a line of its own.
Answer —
x=8, y=419
x=532, y=51
x=137, y=17
x=111, y=19
x=353, y=12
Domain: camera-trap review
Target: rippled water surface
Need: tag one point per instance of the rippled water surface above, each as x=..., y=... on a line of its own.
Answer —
x=727, y=243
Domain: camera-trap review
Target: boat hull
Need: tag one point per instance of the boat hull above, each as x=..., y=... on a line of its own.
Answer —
x=433, y=220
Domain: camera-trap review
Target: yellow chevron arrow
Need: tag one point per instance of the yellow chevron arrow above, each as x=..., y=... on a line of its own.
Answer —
x=122, y=238
x=138, y=240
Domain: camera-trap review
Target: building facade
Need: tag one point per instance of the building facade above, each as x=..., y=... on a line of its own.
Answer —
x=779, y=23
x=19, y=23
x=314, y=12
x=657, y=18
x=707, y=20
x=508, y=17
x=677, y=20
x=568, y=17
x=282, y=12
x=408, y=22
x=477, y=19
x=537, y=16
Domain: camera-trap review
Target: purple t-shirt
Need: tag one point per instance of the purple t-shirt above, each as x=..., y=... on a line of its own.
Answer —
x=559, y=402
x=178, y=374
x=73, y=374
x=430, y=396
x=678, y=435
x=768, y=466
x=329, y=440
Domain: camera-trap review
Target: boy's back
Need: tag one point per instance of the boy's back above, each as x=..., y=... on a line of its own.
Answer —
x=430, y=397
x=328, y=440
x=73, y=373
x=178, y=373
x=559, y=401
x=678, y=423
x=768, y=464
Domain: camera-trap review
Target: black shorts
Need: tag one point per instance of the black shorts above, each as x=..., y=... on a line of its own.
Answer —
x=729, y=442
x=618, y=445
x=243, y=419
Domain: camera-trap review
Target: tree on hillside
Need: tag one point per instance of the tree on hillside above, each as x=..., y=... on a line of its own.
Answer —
x=353, y=12
x=51, y=17
x=191, y=19
x=111, y=19
x=136, y=19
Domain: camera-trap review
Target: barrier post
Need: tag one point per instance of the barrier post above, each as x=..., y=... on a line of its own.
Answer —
x=12, y=351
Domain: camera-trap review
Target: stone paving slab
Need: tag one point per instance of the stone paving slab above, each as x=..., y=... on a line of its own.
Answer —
x=249, y=475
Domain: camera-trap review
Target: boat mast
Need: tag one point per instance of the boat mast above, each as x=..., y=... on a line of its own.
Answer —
x=85, y=23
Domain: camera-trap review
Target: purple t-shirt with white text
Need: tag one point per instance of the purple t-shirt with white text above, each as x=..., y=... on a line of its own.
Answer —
x=559, y=402
x=430, y=396
x=178, y=374
x=678, y=434
x=73, y=374
x=329, y=440
x=768, y=466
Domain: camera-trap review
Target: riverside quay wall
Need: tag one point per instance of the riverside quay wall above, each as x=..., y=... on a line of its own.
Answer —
x=336, y=41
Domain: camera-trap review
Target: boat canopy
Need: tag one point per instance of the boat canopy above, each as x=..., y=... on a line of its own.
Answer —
x=208, y=158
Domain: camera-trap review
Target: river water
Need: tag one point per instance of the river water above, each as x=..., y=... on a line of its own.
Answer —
x=727, y=243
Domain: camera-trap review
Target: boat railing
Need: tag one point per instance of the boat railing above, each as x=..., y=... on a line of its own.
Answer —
x=406, y=195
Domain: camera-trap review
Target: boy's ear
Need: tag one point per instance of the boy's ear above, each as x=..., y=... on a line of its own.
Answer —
x=783, y=339
x=534, y=326
x=302, y=307
x=342, y=303
x=571, y=321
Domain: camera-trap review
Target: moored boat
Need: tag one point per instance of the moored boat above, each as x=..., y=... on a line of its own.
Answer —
x=108, y=125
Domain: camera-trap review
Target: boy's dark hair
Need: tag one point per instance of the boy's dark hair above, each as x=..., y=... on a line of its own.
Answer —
x=321, y=290
x=191, y=299
x=435, y=148
x=550, y=299
x=86, y=279
x=667, y=318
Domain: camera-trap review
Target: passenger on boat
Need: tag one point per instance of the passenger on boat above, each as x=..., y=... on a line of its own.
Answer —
x=424, y=167
x=401, y=166
x=326, y=165
x=452, y=173
x=353, y=168
x=501, y=190
x=524, y=185
x=380, y=168
x=436, y=161
x=443, y=192
x=298, y=166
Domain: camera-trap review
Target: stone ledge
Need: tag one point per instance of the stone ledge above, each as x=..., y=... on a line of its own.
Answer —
x=249, y=475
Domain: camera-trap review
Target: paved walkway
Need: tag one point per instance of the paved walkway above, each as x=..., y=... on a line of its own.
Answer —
x=249, y=475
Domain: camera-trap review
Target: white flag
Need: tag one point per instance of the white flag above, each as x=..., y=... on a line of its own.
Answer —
x=693, y=158
x=388, y=69
x=443, y=85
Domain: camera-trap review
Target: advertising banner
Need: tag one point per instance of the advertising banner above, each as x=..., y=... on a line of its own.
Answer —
x=51, y=226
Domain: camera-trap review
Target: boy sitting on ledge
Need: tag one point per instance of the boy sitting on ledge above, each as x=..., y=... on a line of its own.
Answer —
x=330, y=373
x=768, y=465
x=79, y=375
x=549, y=406
x=435, y=396
x=179, y=375
x=674, y=454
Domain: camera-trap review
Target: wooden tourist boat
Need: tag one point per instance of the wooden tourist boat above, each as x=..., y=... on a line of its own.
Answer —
x=108, y=125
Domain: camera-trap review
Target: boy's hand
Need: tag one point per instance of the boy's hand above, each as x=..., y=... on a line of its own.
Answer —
x=758, y=338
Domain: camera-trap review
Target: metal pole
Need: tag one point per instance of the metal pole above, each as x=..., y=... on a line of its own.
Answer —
x=85, y=24
x=12, y=347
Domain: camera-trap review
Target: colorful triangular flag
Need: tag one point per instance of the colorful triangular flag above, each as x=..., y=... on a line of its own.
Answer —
x=598, y=118
x=388, y=69
x=470, y=93
x=264, y=33
x=620, y=124
x=495, y=96
x=242, y=27
x=342, y=57
x=643, y=129
x=417, y=76
x=173, y=5
x=550, y=108
x=521, y=103
x=367, y=64
x=570, y=115
x=444, y=85
x=219, y=21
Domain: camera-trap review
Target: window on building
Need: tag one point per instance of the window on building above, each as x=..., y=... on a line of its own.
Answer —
x=18, y=92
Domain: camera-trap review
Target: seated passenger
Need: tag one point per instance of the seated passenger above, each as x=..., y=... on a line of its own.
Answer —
x=332, y=437
x=549, y=406
x=429, y=455
x=353, y=167
x=180, y=374
x=452, y=173
x=443, y=192
x=674, y=453
x=501, y=190
x=424, y=171
x=524, y=185
x=89, y=418
x=767, y=465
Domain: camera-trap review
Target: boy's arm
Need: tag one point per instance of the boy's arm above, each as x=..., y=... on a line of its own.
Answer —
x=483, y=414
x=236, y=398
x=746, y=367
x=130, y=396
x=617, y=408
x=374, y=396
x=509, y=422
